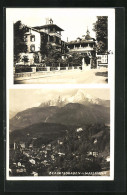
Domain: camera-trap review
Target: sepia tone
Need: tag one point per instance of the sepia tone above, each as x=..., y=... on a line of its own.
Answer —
x=41, y=56
x=67, y=134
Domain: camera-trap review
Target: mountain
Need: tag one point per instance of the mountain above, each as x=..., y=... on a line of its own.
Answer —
x=81, y=97
x=78, y=114
x=31, y=116
x=70, y=114
x=12, y=114
x=58, y=101
x=44, y=132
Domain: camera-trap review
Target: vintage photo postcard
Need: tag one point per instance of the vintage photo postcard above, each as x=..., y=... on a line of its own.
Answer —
x=60, y=46
x=60, y=78
x=60, y=134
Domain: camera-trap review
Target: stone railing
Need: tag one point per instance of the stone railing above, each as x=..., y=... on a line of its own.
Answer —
x=39, y=70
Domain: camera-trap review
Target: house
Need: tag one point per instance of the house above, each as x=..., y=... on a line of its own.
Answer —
x=79, y=129
x=49, y=147
x=93, y=153
x=61, y=154
x=52, y=32
x=84, y=45
x=34, y=173
x=32, y=161
x=22, y=144
x=95, y=141
x=43, y=146
x=26, y=152
x=60, y=142
x=32, y=39
x=102, y=60
x=20, y=170
x=19, y=164
x=35, y=36
x=31, y=145
x=52, y=157
x=108, y=158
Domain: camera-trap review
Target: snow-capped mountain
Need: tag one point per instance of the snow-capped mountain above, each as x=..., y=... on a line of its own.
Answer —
x=58, y=101
x=81, y=97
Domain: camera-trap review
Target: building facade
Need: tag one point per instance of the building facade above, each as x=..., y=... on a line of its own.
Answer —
x=85, y=45
x=36, y=37
x=53, y=33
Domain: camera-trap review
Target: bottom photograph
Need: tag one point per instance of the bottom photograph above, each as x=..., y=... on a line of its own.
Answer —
x=59, y=132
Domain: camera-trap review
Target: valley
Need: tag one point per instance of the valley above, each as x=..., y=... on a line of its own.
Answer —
x=63, y=136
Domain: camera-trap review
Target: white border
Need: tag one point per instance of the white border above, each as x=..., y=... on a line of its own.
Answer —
x=111, y=71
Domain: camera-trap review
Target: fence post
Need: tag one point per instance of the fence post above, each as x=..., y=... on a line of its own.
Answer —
x=33, y=69
x=98, y=64
x=90, y=62
x=48, y=68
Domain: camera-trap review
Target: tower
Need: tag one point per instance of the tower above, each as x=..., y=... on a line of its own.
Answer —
x=87, y=37
x=87, y=32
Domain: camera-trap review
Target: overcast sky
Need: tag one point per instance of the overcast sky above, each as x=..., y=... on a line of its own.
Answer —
x=74, y=22
x=21, y=99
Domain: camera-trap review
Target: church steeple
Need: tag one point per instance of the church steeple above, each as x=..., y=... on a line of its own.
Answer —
x=87, y=37
x=87, y=32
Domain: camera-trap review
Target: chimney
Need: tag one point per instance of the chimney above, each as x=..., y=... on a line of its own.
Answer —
x=47, y=20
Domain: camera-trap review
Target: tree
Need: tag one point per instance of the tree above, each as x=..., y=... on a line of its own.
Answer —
x=19, y=43
x=25, y=59
x=36, y=58
x=74, y=59
x=101, y=30
x=52, y=55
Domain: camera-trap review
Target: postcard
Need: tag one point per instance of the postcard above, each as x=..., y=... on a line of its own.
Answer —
x=60, y=77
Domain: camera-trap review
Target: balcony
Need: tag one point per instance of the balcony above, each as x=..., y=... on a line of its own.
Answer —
x=55, y=44
x=80, y=49
x=55, y=34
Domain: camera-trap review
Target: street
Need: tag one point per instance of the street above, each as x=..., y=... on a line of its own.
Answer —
x=91, y=76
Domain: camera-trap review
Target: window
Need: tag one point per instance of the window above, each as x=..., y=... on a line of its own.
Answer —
x=25, y=38
x=32, y=48
x=32, y=38
x=51, y=39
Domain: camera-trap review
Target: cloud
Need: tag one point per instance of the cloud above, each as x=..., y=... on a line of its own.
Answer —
x=21, y=99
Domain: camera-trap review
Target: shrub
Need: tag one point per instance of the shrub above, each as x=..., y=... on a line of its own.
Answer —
x=22, y=68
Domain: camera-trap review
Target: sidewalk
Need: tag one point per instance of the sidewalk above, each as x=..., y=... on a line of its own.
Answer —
x=42, y=74
x=89, y=76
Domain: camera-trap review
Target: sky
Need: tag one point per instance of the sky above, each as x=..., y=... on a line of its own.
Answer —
x=21, y=99
x=74, y=22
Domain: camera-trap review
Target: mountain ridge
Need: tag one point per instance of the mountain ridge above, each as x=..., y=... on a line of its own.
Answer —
x=80, y=97
x=70, y=114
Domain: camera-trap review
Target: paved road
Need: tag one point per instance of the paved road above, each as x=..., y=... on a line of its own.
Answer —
x=92, y=76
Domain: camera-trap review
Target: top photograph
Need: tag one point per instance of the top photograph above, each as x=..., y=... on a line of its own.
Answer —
x=60, y=46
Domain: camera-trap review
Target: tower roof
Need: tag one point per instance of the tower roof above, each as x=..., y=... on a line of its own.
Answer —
x=49, y=26
x=87, y=32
